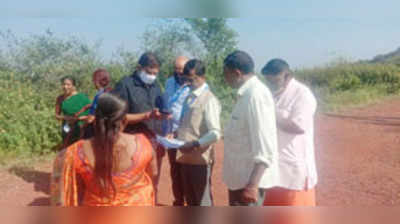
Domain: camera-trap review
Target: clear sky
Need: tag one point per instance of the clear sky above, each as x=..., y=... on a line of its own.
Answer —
x=304, y=32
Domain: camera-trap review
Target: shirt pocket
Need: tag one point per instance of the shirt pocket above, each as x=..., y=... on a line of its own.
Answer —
x=235, y=130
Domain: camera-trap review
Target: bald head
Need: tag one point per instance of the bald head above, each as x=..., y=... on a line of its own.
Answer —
x=180, y=64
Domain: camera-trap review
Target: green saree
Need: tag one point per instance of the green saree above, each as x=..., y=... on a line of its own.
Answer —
x=69, y=107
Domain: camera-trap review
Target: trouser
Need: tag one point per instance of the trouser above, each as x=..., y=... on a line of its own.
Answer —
x=235, y=198
x=176, y=179
x=196, y=181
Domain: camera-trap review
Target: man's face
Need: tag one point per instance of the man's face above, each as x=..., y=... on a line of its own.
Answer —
x=194, y=80
x=151, y=70
x=178, y=68
x=231, y=77
x=276, y=82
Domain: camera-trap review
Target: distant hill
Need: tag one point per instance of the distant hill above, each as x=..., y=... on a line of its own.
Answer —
x=391, y=57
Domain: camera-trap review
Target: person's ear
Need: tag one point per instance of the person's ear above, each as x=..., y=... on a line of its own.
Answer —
x=238, y=74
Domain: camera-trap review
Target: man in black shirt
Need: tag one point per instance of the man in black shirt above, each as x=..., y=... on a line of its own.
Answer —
x=141, y=91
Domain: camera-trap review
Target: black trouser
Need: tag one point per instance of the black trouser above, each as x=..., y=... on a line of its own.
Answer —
x=235, y=198
x=176, y=179
x=196, y=181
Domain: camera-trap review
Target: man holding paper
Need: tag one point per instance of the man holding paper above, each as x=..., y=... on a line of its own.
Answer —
x=176, y=92
x=200, y=128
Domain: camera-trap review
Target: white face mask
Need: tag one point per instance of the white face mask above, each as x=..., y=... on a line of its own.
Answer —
x=147, y=78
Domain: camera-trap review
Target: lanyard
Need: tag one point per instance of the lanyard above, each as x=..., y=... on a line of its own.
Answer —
x=192, y=98
x=177, y=94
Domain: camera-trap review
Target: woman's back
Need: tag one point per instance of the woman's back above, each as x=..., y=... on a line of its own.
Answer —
x=132, y=180
x=110, y=169
x=130, y=176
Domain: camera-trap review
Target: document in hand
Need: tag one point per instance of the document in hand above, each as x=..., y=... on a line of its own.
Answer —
x=170, y=143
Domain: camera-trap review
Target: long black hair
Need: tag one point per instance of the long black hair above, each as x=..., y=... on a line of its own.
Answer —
x=110, y=113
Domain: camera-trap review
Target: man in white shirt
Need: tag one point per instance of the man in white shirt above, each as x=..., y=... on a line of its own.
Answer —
x=250, y=138
x=200, y=128
x=295, y=110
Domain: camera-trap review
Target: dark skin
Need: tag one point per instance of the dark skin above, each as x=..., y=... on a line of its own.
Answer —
x=235, y=78
x=278, y=84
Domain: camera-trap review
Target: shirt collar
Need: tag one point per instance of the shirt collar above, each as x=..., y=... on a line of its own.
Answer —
x=247, y=85
x=200, y=90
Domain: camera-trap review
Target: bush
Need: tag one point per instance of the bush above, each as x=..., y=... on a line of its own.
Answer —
x=31, y=69
x=27, y=124
x=351, y=84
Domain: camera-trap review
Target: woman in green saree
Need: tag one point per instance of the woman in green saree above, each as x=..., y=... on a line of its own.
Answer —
x=68, y=110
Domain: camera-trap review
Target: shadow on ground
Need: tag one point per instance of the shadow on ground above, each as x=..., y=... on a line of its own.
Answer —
x=39, y=179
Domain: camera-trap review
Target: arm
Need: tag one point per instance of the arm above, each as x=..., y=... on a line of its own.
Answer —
x=212, y=115
x=296, y=121
x=261, y=121
x=137, y=118
x=286, y=124
x=212, y=119
x=151, y=169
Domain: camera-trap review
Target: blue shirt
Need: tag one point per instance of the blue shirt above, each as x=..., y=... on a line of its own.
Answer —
x=93, y=107
x=176, y=96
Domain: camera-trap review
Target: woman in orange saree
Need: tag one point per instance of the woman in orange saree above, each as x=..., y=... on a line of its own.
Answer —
x=110, y=169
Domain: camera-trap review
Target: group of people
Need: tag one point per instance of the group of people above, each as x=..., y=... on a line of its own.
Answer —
x=111, y=155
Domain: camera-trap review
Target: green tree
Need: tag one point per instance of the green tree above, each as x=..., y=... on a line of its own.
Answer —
x=45, y=57
x=169, y=38
x=219, y=40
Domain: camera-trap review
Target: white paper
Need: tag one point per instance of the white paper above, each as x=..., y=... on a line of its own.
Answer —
x=66, y=128
x=170, y=143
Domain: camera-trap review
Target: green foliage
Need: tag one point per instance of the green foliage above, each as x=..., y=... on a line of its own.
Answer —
x=30, y=70
x=219, y=40
x=168, y=39
x=208, y=39
x=27, y=123
x=30, y=73
x=348, y=84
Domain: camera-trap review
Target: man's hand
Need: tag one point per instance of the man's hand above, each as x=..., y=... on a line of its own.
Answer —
x=155, y=114
x=170, y=136
x=250, y=195
x=189, y=147
x=166, y=116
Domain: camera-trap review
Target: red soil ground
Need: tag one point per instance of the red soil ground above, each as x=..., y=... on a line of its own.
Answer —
x=358, y=160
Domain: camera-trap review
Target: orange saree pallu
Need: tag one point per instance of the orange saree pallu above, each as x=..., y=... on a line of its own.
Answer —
x=73, y=183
